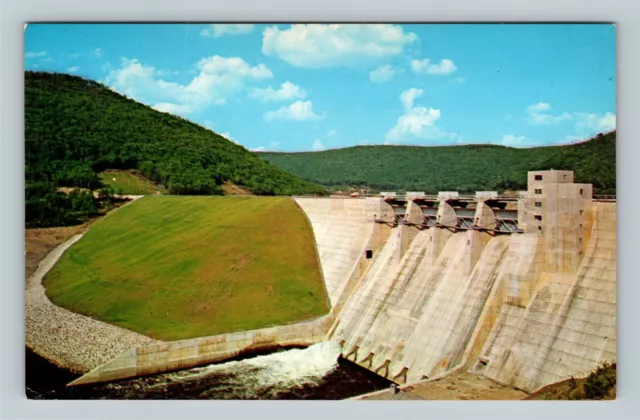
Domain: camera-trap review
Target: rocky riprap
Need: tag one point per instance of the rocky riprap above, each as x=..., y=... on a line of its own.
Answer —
x=71, y=341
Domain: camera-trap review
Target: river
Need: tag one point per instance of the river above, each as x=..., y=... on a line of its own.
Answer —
x=316, y=372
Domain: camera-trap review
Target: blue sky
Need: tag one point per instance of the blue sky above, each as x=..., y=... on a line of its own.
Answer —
x=313, y=87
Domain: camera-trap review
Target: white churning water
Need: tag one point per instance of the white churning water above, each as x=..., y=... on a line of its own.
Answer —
x=257, y=377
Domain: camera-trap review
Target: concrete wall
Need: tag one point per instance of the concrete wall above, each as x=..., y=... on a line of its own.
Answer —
x=344, y=229
x=557, y=209
x=416, y=316
x=568, y=327
x=525, y=309
x=184, y=354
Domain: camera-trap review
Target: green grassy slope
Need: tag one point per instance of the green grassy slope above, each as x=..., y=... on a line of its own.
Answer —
x=129, y=182
x=451, y=168
x=76, y=128
x=181, y=267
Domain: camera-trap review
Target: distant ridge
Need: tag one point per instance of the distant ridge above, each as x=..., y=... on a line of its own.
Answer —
x=464, y=168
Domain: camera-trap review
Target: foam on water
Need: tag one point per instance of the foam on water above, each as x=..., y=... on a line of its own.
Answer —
x=258, y=377
x=291, y=365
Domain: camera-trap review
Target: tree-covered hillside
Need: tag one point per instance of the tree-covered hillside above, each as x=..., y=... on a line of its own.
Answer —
x=76, y=128
x=465, y=168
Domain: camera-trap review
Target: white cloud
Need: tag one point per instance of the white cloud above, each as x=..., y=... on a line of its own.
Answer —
x=570, y=139
x=595, y=122
x=287, y=91
x=35, y=54
x=540, y=106
x=382, y=74
x=171, y=108
x=218, y=79
x=228, y=136
x=607, y=122
x=272, y=146
x=209, y=124
x=457, y=80
x=586, y=124
x=331, y=133
x=73, y=69
x=233, y=65
x=74, y=55
x=318, y=145
x=417, y=121
x=445, y=66
x=219, y=30
x=98, y=52
x=538, y=114
x=513, y=141
x=408, y=96
x=297, y=111
x=321, y=45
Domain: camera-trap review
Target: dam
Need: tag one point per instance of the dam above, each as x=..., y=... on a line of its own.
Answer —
x=520, y=289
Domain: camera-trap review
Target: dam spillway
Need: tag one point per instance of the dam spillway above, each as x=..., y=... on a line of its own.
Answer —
x=519, y=289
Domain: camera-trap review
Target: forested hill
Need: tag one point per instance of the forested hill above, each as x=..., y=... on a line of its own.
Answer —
x=465, y=168
x=75, y=128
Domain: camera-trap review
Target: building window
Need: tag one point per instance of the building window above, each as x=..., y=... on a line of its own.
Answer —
x=538, y=217
x=540, y=228
x=538, y=191
x=538, y=177
x=581, y=212
x=369, y=254
x=538, y=204
x=581, y=191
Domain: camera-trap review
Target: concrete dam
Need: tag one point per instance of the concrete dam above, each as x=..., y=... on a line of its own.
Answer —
x=519, y=289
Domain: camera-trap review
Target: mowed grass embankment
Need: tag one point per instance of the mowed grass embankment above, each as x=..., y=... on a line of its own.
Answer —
x=180, y=267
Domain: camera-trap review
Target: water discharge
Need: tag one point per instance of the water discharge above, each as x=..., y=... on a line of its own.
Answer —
x=262, y=376
x=315, y=372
